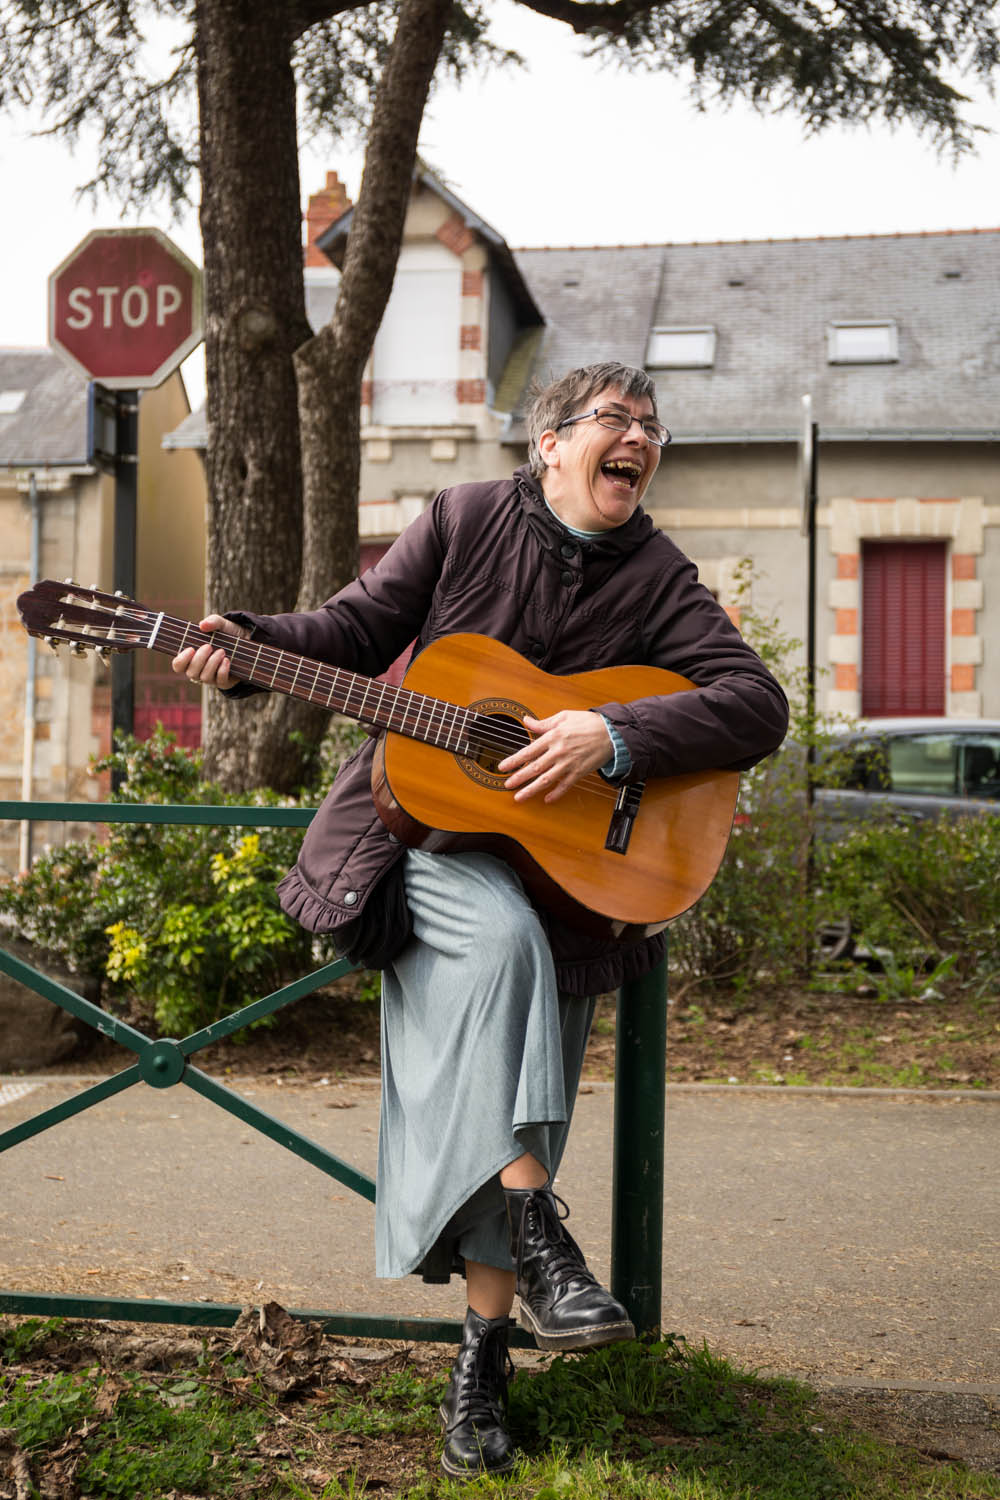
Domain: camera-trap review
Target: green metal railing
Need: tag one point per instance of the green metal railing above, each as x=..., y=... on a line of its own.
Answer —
x=637, y=1200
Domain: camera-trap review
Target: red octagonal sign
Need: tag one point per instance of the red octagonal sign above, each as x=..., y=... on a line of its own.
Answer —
x=125, y=307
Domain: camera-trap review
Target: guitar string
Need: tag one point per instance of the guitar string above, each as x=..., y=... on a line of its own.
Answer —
x=175, y=632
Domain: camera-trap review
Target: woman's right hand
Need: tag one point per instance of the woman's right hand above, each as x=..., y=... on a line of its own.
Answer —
x=209, y=663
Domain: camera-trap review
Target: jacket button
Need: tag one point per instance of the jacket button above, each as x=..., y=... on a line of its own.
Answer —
x=568, y=577
x=567, y=549
x=393, y=838
x=350, y=898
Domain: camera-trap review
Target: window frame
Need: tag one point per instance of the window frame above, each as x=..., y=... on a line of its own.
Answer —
x=707, y=330
x=837, y=326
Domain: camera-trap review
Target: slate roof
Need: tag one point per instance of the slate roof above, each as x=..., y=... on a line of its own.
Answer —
x=50, y=426
x=770, y=302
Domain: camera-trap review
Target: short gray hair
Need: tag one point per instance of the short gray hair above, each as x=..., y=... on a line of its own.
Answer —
x=565, y=397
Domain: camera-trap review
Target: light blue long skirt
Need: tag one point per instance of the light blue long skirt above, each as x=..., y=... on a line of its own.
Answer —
x=481, y=1058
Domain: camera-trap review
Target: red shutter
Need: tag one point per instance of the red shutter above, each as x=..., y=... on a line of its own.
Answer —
x=902, y=628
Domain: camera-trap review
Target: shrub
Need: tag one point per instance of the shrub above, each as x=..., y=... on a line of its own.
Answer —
x=757, y=916
x=924, y=891
x=183, y=922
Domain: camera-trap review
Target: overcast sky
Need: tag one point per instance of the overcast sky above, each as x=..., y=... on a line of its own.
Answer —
x=564, y=153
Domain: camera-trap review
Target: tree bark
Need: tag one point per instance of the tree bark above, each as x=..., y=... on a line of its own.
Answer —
x=254, y=320
x=330, y=366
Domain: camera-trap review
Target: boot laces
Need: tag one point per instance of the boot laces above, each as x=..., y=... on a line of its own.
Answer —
x=482, y=1382
x=564, y=1259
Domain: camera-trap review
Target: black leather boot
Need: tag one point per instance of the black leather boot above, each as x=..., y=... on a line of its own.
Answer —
x=561, y=1301
x=472, y=1412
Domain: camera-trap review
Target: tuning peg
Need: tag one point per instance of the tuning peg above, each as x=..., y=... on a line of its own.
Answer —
x=52, y=643
x=105, y=655
x=120, y=594
x=78, y=649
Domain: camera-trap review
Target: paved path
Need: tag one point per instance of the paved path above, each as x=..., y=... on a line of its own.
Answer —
x=844, y=1238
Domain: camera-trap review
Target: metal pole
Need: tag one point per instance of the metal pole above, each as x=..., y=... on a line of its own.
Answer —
x=640, y=1101
x=123, y=562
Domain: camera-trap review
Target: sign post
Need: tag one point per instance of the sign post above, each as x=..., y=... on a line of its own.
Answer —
x=125, y=309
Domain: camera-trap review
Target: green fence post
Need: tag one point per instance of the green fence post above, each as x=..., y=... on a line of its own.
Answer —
x=640, y=1100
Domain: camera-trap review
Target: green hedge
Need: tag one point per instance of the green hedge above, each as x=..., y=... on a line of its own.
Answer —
x=180, y=924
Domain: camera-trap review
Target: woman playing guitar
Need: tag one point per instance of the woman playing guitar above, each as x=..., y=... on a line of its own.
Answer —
x=488, y=981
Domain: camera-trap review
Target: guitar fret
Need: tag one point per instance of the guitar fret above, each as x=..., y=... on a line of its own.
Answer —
x=277, y=667
x=463, y=746
x=420, y=700
x=451, y=707
x=298, y=668
x=433, y=735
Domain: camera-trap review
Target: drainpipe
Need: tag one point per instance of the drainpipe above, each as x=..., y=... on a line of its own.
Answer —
x=28, y=756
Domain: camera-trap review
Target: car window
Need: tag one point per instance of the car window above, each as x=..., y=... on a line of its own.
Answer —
x=855, y=766
x=980, y=766
x=925, y=764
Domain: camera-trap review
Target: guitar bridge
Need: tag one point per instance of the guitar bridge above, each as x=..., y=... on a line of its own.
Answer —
x=623, y=817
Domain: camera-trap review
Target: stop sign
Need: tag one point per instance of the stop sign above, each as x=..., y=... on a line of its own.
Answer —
x=125, y=307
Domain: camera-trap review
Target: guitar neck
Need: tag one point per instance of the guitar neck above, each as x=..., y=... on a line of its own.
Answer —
x=379, y=705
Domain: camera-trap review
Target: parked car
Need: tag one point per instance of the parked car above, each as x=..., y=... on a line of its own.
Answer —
x=914, y=767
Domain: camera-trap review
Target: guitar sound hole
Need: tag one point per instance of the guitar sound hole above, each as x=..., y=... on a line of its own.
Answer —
x=494, y=738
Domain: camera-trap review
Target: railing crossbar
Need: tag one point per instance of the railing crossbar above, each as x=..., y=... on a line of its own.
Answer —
x=67, y=1108
x=292, y=1140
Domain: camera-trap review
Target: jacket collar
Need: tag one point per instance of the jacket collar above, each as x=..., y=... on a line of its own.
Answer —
x=551, y=532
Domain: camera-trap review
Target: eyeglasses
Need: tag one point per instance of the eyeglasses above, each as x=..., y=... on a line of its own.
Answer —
x=621, y=421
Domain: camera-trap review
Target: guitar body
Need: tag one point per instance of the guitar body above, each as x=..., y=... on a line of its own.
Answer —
x=440, y=801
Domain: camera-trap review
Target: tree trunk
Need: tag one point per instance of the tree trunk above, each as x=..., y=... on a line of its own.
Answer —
x=254, y=320
x=330, y=366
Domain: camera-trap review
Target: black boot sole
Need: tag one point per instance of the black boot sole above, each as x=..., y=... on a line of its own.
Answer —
x=577, y=1338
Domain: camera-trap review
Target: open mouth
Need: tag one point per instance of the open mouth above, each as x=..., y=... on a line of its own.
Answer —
x=622, y=471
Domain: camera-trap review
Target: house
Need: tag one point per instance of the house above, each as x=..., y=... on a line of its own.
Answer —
x=56, y=521
x=896, y=339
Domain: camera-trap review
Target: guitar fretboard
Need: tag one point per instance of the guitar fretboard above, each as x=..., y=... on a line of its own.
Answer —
x=379, y=704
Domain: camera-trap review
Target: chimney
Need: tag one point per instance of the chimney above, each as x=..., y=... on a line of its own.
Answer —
x=324, y=209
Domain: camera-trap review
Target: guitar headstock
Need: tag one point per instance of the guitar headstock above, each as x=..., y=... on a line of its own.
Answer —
x=88, y=618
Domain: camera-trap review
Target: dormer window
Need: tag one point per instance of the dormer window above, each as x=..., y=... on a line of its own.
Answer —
x=681, y=348
x=868, y=341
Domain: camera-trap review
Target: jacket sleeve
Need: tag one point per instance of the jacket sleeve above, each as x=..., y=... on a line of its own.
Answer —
x=737, y=712
x=369, y=623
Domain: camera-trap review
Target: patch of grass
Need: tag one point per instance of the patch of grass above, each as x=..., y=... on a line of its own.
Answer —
x=18, y=1340
x=176, y=1435
x=398, y=1402
x=41, y=1412
x=642, y=1421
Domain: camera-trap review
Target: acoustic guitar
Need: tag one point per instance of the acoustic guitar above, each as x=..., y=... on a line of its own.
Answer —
x=618, y=861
